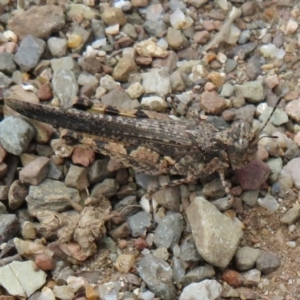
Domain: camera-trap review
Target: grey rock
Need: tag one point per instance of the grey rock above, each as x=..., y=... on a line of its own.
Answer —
x=252, y=277
x=245, y=113
x=168, y=231
x=125, y=204
x=275, y=165
x=291, y=216
x=244, y=37
x=246, y=49
x=188, y=251
x=21, y=279
x=65, y=63
x=65, y=87
x=216, y=235
x=4, y=80
x=54, y=171
x=9, y=227
x=198, y=274
x=29, y=53
x=206, y=289
x=246, y=257
x=155, y=28
x=162, y=286
x=250, y=197
x=107, y=188
x=15, y=134
x=278, y=118
x=57, y=46
x=86, y=78
x=253, y=91
x=222, y=204
x=63, y=275
x=230, y=65
x=17, y=194
x=98, y=171
x=267, y=262
x=139, y=223
x=63, y=292
x=77, y=178
x=179, y=267
x=168, y=198
x=293, y=169
x=50, y=195
x=214, y=189
x=7, y=63
x=98, y=28
x=78, y=9
x=157, y=82
x=227, y=90
x=268, y=202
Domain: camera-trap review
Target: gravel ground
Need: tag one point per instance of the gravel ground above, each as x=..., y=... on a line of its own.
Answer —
x=75, y=224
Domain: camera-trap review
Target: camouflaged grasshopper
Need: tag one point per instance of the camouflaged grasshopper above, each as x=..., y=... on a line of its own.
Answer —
x=153, y=143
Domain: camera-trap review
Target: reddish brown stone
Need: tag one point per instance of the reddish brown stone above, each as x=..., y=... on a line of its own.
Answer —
x=233, y=278
x=83, y=157
x=45, y=92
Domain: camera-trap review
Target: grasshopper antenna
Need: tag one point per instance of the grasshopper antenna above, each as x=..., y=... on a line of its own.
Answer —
x=274, y=109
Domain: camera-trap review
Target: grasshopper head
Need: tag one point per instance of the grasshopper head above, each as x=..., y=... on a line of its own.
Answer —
x=242, y=144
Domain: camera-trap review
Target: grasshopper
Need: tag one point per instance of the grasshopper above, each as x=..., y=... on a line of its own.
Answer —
x=153, y=143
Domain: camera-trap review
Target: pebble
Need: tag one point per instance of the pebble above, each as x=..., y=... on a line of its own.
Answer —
x=63, y=292
x=176, y=39
x=253, y=91
x=21, y=279
x=124, y=263
x=154, y=103
x=253, y=175
x=139, y=223
x=57, y=46
x=252, y=277
x=204, y=219
x=46, y=294
x=275, y=165
x=18, y=191
x=188, y=250
x=162, y=286
x=268, y=202
x=15, y=135
x=28, y=231
x=106, y=188
x=113, y=15
x=7, y=63
x=135, y=90
x=198, y=274
x=246, y=257
x=212, y=103
x=292, y=168
x=124, y=68
x=36, y=171
x=250, y=197
x=206, y=289
x=84, y=157
x=77, y=178
x=278, y=118
x=168, y=231
x=50, y=194
x=267, y=263
x=291, y=216
x=9, y=227
x=38, y=21
x=233, y=278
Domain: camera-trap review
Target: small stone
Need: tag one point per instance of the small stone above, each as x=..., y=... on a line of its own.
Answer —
x=248, y=8
x=63, y=292
x=204, y=218
x=4, y=80
x=36, y=171
x=233, y=278
x=268, y=202
x=29, y=53
x=252, y=277
x=113, y=15
x=124, y=69
x=253, y=91
x=87, y=79
x=50, y=194
x=7, y=63
x=245, y=258
x=44, y=261
x=139, y=223
x=149, y=48
x=272, y=81
x=57, y=46
x=212, y=103
x=47, y=294
x=77, y=178
x=44, y=92
x=154, y=103
x=22, y=279
x=74, y=40
x=198, y=274
x=206, y=289
x=124, y=263
x=135, y=90
x=267, y=263
x=293, y=109
x=291, y=216
x=278, y=118
x=177, y=83
x=28, y=231
x=176, y=39
x=15, y=134
x=250, y=197
x=84, y=157
x=201, y=37
x=252, y=176
x=291, y=26
x=168, y=231
x=9, y=226
x=76, y=10
x=139, y=3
